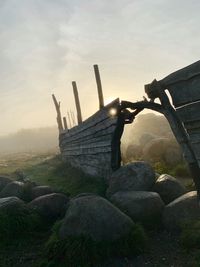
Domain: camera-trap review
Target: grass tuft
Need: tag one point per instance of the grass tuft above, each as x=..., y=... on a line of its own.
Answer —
x=82, y=251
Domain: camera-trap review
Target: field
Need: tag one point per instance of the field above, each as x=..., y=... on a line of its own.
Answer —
x=48, y=169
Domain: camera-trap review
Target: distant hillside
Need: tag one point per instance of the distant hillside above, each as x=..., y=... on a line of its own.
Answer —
x=30, y=140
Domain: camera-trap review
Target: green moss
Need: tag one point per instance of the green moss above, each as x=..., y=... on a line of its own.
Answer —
x=84, y=252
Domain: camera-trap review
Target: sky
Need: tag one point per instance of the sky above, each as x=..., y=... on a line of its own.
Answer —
x=46, y=44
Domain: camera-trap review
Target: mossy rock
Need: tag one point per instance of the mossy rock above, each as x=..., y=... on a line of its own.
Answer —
x=82, y=251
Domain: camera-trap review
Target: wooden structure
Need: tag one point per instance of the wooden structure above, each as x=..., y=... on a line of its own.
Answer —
x=94, y=145
x=183, y=114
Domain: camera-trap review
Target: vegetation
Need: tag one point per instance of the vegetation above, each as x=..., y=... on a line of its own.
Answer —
x=50, y=170
x=83, y=251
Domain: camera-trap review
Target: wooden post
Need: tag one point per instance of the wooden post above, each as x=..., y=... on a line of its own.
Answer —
x=65, y=123
x=69, y=119
x=78, y=107
x=59, y=117
x=99, y=86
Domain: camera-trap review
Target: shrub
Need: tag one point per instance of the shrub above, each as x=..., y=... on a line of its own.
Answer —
x=84, y=252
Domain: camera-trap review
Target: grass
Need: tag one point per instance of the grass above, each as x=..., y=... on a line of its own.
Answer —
x=82, y=251
x=50, y=170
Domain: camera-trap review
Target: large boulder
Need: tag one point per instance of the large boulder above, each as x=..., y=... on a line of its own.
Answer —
x=183, y=209
x=41, y=190
x=51, y=206
x=13, y=189
x=4, y=181
x=94, y=217
x=169, y=188
x=141, y=206
x=136, y=176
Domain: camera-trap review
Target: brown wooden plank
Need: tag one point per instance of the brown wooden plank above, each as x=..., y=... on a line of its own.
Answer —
x=189, y=113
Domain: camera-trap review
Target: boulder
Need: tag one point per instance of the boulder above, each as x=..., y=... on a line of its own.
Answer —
x=10, y=203
x=42, y=190
x=4, y=181
x=13, y=189
x=136, y=176
x=141, y=206
x=94, y=217
x=51, y=206
x=183, y=209
x=169, y=188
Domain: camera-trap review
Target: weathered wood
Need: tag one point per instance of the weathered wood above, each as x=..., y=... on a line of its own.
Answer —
x=65, y=123
x=77, y=102
x=99, y=86
x=88, y=145
x=183, y=85
x=96, y=118
x=189, y=113
x=59, y=117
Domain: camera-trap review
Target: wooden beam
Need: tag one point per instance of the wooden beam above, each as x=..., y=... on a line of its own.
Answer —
x=65, y=123
x=77, y=102
x=59, y=117
x=99, y=86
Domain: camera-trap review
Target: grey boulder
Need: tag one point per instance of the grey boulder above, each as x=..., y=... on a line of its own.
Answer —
x=136, y=176
x=10, y=203
x=51, y=206
x=13, y=189
x=41, y=190
x=169, y=188
x=183, y=209
x=94, y=217
x=143, y=207
x=4, y=181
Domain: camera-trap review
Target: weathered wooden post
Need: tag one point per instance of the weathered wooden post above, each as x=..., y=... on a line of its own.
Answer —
x=69, y=120
x=65, y=123
x=78, y=107
x=99, y=86
x=59, y=117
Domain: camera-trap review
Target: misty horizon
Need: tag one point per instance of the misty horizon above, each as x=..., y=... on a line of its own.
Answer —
x=47, y=44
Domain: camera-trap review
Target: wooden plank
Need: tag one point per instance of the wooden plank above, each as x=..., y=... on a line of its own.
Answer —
x=94, y=119
x=183, y=85
x=185, y=92
x=189, y=113
x=95, y=132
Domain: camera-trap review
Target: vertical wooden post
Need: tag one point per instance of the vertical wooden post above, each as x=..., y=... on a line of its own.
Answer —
x=78, y=107
x=69, y=120
x=59, y=117
x=65, y=123
x=99, y=86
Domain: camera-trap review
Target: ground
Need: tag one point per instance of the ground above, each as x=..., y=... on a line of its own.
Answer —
x=163, y=249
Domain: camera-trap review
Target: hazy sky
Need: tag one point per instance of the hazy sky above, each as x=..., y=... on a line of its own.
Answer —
x=45, y=44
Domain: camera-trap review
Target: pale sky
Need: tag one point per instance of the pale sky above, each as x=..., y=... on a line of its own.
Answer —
x=45, y=44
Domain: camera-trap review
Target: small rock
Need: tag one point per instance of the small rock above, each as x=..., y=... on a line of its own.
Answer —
x=4, y=181
x=13, y=189
x=51, y=206
x=42, y=190
x=8, y=203
x=169, y=188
